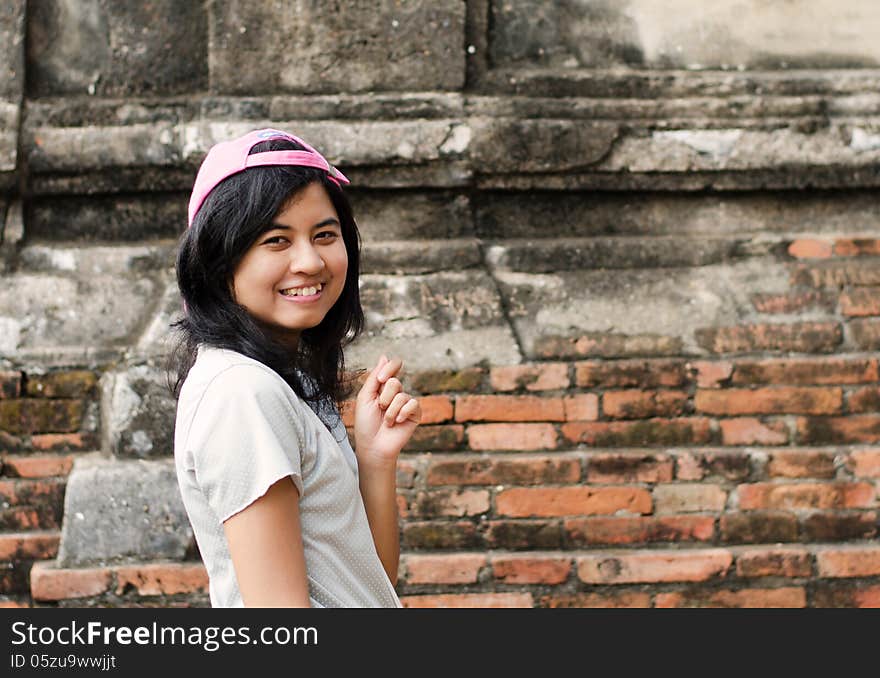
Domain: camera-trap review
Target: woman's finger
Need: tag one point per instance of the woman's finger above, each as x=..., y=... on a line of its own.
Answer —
x=395, y=407
x=389, y=390
x=411, y=410
x=390, y=369
x=373, y=383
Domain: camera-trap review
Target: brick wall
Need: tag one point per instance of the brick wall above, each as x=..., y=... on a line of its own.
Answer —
x=631, y=264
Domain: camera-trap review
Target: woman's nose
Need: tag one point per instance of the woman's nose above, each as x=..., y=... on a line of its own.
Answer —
x=306, y=259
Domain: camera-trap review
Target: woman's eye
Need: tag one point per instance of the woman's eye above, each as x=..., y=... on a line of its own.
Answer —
x=325, y=235
x=273, y=240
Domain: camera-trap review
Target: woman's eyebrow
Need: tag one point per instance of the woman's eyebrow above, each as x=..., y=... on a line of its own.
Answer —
x=330, y=221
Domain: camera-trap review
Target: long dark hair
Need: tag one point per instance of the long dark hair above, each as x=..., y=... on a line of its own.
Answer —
x=230, y=220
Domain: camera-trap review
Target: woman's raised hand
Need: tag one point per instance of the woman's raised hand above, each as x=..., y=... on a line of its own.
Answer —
x=385, y=416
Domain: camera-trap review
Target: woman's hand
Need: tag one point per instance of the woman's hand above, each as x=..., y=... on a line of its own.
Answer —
x=385, y=416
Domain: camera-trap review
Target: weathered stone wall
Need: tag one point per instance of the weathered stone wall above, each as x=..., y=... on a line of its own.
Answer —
x=628, y=251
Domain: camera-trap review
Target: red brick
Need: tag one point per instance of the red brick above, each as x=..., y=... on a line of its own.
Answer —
x=636, y=530
x=511, y=437
x=865, y=463
x=860, y=302
x=453, y=568
x=524, y=534
x=439, y=381
x=402, y=505
x=62, y=442
x=457, y=503
x=70, y=384
x=646, y=567
x=531, y=569
x=853, y=247
x=866, y=333
x=835, y=593
x=29, y=546
x=793, y=302
x=849, y=561
x=42, y=492
x=774, y=562
x=15, y=603
x=435, y=409
x=162, y=579
x=23, y=518
x=406, y=472
x=836, y=274
x=785, y=597
x=49, y=584
x=801, y=464
x=801, y=337
x=648, y=432
x=508, y=408
x=524, y=470
x=867, y=597
x=688, y=498
x=10, y=384
x=524, y=502
x=831, y=495
x=810, y=249
x=582, y=407
x=624, y=599
x=606, y=345
x=806, y=371
x=782, y=400
x=475, y=600
x=540, y=377
x=436, y=438
x=844, y=526
x=865, y=399
x=863, y=428
x=36, y=415
x=726, y=464
x=638, y=404
x=711, y=374
x=751, y=431
x=38, y=466
x=628, y=467
x=623, y=373
x=758, y=527
x=440, y=535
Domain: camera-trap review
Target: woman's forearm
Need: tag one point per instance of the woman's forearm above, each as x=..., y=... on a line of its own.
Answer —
x=378, y=485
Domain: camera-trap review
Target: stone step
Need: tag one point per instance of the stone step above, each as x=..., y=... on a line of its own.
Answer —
x=754, y=575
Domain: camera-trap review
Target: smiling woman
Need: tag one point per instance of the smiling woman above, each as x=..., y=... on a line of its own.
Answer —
x=284, y=511
x=295, y=272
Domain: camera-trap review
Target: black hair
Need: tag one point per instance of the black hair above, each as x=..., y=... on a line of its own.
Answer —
x=235, y=213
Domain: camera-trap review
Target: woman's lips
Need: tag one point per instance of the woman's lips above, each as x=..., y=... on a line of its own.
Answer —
x=300, y=299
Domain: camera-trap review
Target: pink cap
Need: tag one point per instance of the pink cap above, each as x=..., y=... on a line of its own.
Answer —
x=231, y=157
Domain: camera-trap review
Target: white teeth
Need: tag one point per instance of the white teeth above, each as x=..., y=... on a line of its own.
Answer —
x=303, y=291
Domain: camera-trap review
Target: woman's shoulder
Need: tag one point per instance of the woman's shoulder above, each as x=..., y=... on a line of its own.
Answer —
x=222, y=370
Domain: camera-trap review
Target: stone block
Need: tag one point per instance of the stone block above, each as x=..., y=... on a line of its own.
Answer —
x=139, y=411
x=546, y=145
x=447, y=320
x=677, y=35
x=74, y=149
x=12, y=49
x=118, y=218
x=663, y=307
x=308, y=47
x=41, y=311
x=122, y=510
x=107, y=48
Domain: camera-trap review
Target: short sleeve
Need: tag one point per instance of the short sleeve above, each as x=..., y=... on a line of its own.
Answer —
x=245, y=436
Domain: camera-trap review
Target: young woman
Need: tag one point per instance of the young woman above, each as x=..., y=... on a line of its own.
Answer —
x=284, y=512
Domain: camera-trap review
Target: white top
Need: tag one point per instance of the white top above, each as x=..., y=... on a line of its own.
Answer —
x=239, y=429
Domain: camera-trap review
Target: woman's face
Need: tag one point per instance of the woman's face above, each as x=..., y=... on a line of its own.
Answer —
x=294, y=272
